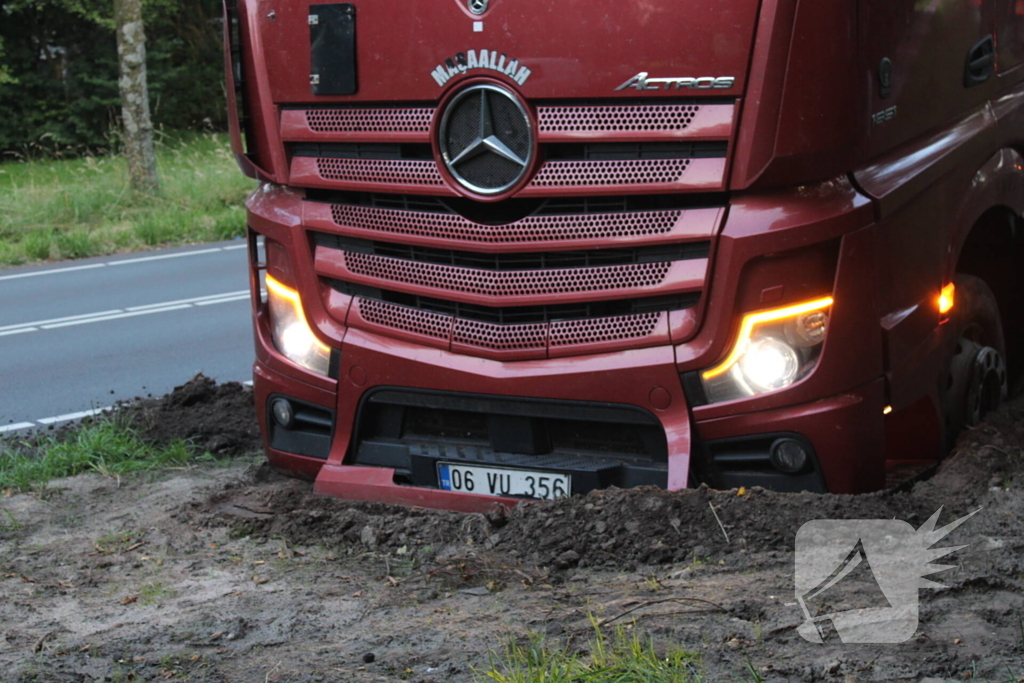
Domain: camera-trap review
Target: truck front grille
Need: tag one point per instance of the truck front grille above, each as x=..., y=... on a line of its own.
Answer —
x=529, y=229
x=514, y=315
x=515, y=332
x=698, y=132
x=607, y=247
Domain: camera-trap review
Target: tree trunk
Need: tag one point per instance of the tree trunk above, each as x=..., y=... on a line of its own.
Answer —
x=138, y=128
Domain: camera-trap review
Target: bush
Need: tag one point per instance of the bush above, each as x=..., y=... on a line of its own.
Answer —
x=60, y=93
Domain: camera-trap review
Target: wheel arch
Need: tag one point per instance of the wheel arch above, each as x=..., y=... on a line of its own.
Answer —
x=988, y=243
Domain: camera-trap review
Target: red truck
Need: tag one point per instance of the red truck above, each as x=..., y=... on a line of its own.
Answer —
x=515, y=249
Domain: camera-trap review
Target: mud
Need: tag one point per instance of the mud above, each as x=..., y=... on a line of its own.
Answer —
x=217, y=418
x=234, y=573
x=625, y=529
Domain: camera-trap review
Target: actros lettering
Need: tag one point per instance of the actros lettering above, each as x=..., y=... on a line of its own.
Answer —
x=642, y=82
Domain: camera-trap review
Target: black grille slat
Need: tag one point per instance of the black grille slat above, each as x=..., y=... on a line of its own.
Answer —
x=363, y=150
x=519, y=315
x=626, y=151
x=518, y=261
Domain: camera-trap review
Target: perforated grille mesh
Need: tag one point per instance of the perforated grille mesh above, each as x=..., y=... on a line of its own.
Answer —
x=626, y=172
x=500, y=337
x=403, y=318
x=537, y=336
x=652, y=117
x=380, y=171
x=617, y=118
x=416, y=120
x=571, y=332
x=529, y=229
x=508, y=283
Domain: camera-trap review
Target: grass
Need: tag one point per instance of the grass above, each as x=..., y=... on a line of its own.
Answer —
x=621, y=657
x=107, y=446
x=155, y=593
x=53, y=209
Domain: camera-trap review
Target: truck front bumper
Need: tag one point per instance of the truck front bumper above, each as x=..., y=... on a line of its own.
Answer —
x=843, y=430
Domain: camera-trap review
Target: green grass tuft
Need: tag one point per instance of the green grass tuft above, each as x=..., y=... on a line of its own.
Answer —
x=621, y=657
x=69, y=209
x=106, y=446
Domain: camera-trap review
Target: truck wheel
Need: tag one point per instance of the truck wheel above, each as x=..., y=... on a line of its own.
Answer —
x=977, y=378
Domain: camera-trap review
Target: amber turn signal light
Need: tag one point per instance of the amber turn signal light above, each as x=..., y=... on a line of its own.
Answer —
x=946, y=298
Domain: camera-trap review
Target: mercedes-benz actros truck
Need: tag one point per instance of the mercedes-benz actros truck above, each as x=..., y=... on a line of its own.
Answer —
x=514, y=249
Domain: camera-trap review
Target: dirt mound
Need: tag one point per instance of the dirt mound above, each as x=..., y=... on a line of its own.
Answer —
x=629, y=528
x=218, y=418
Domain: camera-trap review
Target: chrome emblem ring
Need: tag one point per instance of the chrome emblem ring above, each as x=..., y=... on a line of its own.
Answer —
x=486, y=139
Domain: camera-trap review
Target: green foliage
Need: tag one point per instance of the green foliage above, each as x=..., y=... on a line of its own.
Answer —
x=58, y=72
x=87, y=208
x=107, y=446
x=621, y=657
x=5, y=70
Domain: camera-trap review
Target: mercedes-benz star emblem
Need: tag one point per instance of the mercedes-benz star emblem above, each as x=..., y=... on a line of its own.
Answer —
x=486, y=139
x=477, y=6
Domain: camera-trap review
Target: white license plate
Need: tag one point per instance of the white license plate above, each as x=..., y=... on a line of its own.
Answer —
x=494, y=481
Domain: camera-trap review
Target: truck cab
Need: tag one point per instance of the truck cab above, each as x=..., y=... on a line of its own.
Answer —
x=510, y=249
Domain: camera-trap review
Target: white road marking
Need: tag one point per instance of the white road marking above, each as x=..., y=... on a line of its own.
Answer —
x=118, y=313
x=15, y=427
x=222, y=301
x=240, y=293
x=161, y=257
x=67, y=417
x=72, y=416
x=117, y=316
x=19, y=331
x=60, y=320
x=46, y=421
x=141, y=259
x=48, y=272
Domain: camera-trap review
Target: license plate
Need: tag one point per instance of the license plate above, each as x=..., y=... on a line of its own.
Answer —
x=494, y=481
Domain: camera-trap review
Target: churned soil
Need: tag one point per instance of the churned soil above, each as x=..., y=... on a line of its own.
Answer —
x=217, y=418
x=235, y=573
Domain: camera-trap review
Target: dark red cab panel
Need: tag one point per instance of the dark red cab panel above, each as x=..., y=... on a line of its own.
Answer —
x=568, y=51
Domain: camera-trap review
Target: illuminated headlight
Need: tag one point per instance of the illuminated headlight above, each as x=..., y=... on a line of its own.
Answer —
x=774, y=349
x=290, y=332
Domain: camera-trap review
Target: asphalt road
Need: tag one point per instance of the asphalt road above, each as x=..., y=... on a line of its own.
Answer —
x=78, y=336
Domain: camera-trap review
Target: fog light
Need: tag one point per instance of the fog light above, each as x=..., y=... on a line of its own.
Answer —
x=788, y=455
x=769, y=364
x=283, y=413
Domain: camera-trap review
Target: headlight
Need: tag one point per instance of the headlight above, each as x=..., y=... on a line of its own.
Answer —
x=291, y=333
x=774, y=348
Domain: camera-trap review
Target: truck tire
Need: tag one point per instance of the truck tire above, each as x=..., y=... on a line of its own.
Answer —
x=977, y=379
